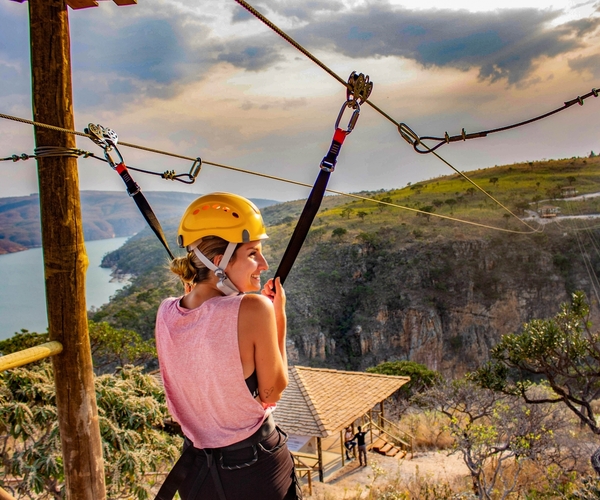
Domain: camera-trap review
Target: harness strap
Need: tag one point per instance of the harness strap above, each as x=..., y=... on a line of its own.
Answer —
x=140, y=200
x=311, y=208
x=187, y=464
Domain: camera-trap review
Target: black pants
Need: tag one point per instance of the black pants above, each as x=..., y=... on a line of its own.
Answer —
x=261, y=472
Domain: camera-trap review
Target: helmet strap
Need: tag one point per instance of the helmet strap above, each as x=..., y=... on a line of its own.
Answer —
x=224, y=284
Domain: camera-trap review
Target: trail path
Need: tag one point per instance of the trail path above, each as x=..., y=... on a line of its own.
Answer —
x=351, y=480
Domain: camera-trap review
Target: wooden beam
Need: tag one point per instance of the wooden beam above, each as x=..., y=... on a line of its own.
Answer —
x=30, y=355
x=81, y=4
x=125, y=2
x=65, y=259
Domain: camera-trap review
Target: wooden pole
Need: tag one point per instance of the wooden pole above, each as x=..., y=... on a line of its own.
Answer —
x=320, y=458
x=342, y=445
x=65, y=259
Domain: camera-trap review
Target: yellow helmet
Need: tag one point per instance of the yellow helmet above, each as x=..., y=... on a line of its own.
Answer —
x=226, y=215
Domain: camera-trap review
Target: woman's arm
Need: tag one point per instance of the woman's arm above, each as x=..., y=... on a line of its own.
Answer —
x=263, y=324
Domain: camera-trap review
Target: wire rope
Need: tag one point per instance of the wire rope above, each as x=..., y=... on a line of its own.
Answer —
x=266, y=176
x=403, y=129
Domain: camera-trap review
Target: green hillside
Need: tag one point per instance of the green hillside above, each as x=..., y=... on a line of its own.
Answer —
x=364, y=261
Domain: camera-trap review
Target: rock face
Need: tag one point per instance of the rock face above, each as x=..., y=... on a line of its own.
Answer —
x=443, y=303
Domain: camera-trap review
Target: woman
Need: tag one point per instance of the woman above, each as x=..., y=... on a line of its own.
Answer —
x=223, y=361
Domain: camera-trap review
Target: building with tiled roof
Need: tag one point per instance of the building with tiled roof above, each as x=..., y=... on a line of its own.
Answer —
x=320, y=402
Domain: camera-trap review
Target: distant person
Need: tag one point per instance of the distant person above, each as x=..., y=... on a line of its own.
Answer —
x=349, y=442
x=362, y=446
x=221, y=351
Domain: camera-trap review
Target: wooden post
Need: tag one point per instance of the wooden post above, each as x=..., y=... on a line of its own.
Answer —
x=343, y=447
x=320, y=458
x=381, y=416
x=65, y=259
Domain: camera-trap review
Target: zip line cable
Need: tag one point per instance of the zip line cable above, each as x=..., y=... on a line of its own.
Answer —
x=87, y=154
x=401, y=126
x=404, y=130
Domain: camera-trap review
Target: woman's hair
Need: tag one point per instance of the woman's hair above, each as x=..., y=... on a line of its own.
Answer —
x=190, y=269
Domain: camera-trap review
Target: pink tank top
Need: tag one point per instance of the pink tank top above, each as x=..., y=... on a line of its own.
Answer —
x=202, y=372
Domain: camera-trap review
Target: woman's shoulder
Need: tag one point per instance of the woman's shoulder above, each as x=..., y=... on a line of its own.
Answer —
x=255, y=304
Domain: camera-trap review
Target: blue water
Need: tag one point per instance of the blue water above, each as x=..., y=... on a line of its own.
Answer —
x=22, y=293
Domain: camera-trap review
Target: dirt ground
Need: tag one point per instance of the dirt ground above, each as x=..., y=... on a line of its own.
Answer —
x=354, y=481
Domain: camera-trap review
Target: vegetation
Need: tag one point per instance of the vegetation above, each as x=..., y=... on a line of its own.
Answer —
x=564, y=351
x=421, y=377
x=131, y=410
x=111, y=347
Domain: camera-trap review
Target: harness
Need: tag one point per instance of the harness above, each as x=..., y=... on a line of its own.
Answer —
x=359, y=89
x=107, y=139
x=202, y=461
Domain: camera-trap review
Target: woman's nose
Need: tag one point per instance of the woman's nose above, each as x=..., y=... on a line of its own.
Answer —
x=264, y=265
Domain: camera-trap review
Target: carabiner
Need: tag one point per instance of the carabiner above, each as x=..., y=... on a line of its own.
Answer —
x=195, y=168
x=350, y=103
x=111, y=162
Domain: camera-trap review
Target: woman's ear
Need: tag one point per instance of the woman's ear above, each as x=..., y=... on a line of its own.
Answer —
x=217, y=260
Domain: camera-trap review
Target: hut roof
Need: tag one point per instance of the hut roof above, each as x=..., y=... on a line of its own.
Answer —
x=320, y=401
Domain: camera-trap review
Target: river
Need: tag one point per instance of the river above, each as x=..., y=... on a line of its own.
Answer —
x=22, y=294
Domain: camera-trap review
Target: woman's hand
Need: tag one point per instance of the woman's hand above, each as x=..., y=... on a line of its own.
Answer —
x=277, y=295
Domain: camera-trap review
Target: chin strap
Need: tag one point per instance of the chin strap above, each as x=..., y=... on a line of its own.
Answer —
x=224, y=284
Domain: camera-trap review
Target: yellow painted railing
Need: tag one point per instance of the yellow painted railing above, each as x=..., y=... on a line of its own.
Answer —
x=30, y=355
x=4, y=495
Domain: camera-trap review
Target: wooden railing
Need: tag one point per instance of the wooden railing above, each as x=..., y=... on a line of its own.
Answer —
x=306, y=464
x=407, y=440
x=30, y=355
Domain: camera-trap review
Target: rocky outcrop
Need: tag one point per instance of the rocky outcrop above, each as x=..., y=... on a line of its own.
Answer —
x=444, y=304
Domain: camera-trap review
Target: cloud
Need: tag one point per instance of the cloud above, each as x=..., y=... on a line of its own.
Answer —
x=582, y=64
x=502, y=44
x=250, y=56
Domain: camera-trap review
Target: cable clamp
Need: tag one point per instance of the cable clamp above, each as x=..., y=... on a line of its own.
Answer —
x=595, y=92
x=169, y=175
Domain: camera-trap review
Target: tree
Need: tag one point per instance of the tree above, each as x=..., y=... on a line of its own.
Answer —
x=421, y=377
x=471, y=191
x=451, y=202
x=339, y=232
x=346, y=212
x=492, y=430
x=571, y=179
x=131, y=411
x=427, y=211
x=385, y=199
x=494, y=180
x=592, y=154
x=564, y=351
x=362, y=215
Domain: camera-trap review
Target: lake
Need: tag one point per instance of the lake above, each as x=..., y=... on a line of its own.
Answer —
x=22, y=294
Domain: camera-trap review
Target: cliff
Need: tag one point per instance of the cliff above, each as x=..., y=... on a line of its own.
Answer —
x=441, y=303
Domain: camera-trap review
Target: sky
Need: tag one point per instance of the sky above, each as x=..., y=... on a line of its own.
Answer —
x=205, y=78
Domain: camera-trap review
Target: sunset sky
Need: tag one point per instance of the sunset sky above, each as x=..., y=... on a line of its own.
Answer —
x=205, y=78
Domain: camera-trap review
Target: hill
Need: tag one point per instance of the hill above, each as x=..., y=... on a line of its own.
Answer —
x=375, y=283
x=105, y=214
